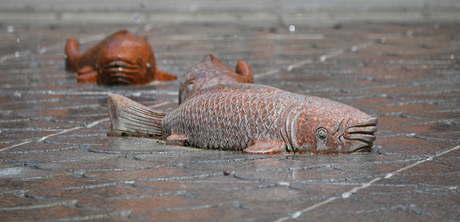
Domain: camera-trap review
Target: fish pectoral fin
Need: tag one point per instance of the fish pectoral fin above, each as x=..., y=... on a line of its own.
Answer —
x=243, y=69
x=85, y=70
x=87, y=77
x=176, y=139
x=266, y=147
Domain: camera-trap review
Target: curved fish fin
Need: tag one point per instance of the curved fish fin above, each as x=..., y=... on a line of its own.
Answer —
x=86, y=69
x=176, y=139
x=87, y=77
x=133, y=119
x=72, y=53
x=243, y=69
x=163, y=76
x=266, y=147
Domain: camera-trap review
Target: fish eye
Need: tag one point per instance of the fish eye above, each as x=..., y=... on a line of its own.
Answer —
x=321, y=133
x=190, y=87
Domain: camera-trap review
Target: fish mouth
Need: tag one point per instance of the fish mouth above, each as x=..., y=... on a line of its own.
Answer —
x=119, y=72
x=362, y=135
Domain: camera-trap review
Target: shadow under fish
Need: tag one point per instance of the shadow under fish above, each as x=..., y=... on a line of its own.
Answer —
x=120, y=59
x=210, y=72
x=251, y=118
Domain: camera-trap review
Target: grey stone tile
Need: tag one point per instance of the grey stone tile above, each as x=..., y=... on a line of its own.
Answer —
x=57, y=163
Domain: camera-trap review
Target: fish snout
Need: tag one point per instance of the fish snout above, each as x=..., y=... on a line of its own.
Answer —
x=119, y=66
x=362, y=134
x=119, y=72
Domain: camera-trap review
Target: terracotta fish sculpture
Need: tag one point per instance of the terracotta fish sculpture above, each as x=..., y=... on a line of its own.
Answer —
x=120, y=59
x=210, y=72
x=252, y=118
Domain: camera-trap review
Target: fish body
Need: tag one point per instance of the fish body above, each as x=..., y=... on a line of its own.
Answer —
x=252, y=118
x=120, y=59
x=211, y=71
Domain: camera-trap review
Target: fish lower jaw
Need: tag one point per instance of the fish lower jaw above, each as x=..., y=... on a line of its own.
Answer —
x=119, y=80
x=360, y=146
x=363, y=149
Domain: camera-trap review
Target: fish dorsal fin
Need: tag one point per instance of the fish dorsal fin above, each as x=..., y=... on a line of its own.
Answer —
x=209, y=58
x=233, y=87
x=210, y=63
x=266, y=147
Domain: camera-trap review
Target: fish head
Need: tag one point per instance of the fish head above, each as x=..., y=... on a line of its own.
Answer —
x=126, y=61
x=328, y=126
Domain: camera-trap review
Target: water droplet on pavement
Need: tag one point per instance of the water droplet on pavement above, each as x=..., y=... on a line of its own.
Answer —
x=137, y=17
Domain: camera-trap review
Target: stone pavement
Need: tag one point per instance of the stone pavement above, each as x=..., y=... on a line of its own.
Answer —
x=57, y=163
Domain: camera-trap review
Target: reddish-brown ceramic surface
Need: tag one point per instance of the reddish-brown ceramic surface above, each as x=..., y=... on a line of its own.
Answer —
x=120, y=59
x=210, y=72
x=253, y=118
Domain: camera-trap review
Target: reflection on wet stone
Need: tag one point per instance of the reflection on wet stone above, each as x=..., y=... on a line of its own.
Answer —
x=57, y=162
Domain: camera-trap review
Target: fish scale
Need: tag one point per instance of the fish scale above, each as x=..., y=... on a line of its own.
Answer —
x=253, y=118
x=234, y=116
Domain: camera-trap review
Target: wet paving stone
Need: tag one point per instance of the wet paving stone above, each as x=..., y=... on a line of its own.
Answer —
x=58, y=164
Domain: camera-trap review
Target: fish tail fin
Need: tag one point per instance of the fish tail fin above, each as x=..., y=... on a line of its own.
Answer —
x=71, y=54
x=131, y=118
x=164, y=76
x=243, y=69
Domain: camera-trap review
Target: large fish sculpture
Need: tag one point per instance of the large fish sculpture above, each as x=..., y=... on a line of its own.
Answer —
x=252, y=118
x=210, y=72
x=120, y=59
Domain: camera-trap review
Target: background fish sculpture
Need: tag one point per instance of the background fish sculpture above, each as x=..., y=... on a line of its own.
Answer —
x=252, y=118
x=120, y=59
x=210, y=72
